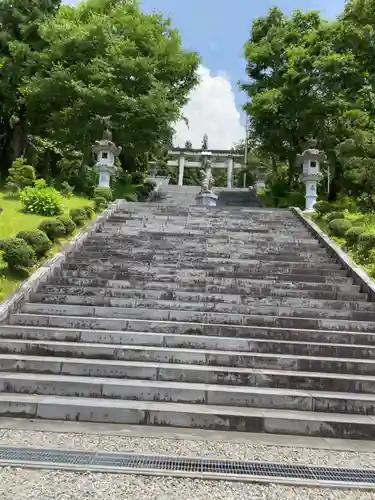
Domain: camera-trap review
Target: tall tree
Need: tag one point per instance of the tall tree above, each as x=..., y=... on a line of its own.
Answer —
x=310, y=77
x=108, y=64
x=20, y=21
x=188, y=145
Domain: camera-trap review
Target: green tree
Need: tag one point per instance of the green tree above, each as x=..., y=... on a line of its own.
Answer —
x=20, y=21
x=205, y=143
x=107, y=64
x=309, y=77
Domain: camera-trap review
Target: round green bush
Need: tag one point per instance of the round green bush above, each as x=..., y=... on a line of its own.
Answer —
x=38, y=240
x=103, y=192
x=143, y=191
x=89, y=211
x=67, y=222
x=339, y=226
x=78, y=216
x=131, y=197
x=366, y=241
x=17, y=253
x=334, y=215
x=41, y=200
x=352, y=235
x=322, y=208
x=100, y=203
x=137, y=177
x=53, y=228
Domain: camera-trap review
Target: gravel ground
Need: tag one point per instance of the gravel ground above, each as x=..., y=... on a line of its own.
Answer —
x=23, y=484
x=187, y=447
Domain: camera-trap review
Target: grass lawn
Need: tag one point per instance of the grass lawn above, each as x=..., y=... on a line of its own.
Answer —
x=13, y=220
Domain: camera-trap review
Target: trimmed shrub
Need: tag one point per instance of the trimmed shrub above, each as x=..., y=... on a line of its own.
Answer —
x=137, y=177
x=20, y=175
x=352, y=235
x=78, y=216
x=17, y=253
x=53, y=228
x=100, y=203
x=322, y=208
x=334, y=215
x=67, y=222
x=131, y=197
x=144, y=190
x=41, y=200
x=103, y=192
x=38, y=240
x=339, y=226
x=366, y=241
x=66, y=189
x=89, y=211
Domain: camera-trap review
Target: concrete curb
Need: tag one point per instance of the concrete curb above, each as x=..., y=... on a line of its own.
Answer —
x=360, y=277
x=52, y=266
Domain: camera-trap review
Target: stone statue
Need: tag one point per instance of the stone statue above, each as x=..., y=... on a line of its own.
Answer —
x=206, y=197
x=206, y=172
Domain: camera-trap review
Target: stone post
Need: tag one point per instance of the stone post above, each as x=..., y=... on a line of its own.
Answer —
x=152, y=168
x=181, y=167
x=229, y=171
x=260, y=182
x=311, y=160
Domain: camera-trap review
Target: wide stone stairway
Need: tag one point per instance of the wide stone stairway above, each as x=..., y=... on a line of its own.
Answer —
x=175, y=315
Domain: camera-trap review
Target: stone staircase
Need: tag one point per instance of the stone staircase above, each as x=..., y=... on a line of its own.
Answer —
x=229, y=318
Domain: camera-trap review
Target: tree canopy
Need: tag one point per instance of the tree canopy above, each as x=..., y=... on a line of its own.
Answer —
x=308, y=77
x=69, y=72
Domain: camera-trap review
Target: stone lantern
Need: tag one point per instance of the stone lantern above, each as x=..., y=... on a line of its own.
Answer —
x=106, y=153
x=206, y=197
x=260, y=174
x=152, y=168
x=311, y=160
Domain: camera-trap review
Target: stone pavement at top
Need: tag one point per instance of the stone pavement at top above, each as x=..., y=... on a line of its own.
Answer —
x=175, y=315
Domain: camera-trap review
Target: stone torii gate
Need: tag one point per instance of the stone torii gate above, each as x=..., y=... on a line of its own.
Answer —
x=192, y=158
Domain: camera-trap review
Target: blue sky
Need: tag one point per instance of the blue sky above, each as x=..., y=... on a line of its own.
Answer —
x=218, y=29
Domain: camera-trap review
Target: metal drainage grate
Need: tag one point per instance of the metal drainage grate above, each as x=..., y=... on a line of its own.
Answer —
x=125, y=461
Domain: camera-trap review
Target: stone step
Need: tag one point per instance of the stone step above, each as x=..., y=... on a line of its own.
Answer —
x=223, y=294
x=245, y=266
x=142, y=253
x=330, y=331
x=180, y=392
x=140, y=242
x=197, y=221
x=219, y=303
x=262, y=420
x=204, y=238
x=236, y=219
x=110, y=322
x=321, y=347
x=185, y=262
x=213, y=313
x=189, y=373
x=171, y=274
x=212, y=285
x=172, y=355
x=171, y=229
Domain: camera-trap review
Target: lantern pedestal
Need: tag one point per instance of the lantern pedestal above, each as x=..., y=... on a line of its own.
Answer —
x=106, y=153
x=310, y=160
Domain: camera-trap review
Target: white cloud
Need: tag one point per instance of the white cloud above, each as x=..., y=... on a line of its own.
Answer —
x=211, y=110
